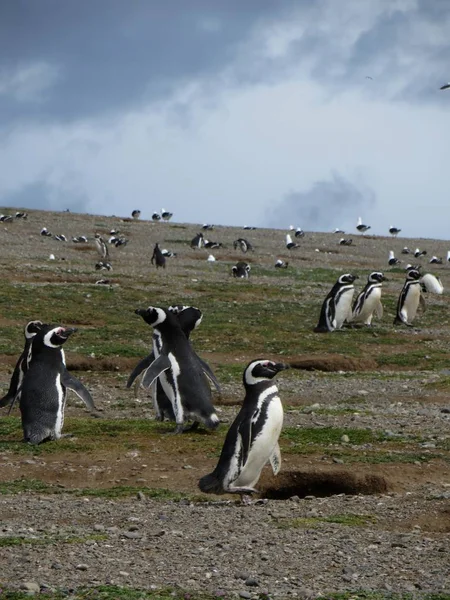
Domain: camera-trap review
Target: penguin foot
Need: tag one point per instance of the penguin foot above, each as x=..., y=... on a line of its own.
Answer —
x=192, y=427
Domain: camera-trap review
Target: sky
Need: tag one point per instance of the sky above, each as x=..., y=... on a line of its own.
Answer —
x=308, y=113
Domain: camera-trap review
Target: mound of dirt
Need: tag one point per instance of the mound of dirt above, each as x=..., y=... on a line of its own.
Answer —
x=333, y=362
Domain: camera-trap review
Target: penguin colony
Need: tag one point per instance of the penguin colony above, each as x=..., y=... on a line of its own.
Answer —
x=180, y=381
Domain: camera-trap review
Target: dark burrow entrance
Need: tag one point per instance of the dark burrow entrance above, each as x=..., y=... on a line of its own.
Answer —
x=301, y=484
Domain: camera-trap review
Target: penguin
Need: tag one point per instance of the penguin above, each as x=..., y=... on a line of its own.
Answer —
x=299, y=233
x=243, y=244
x=290, y=245
x=79, y=239
x=435, y=260
x=156, y=216
x=394, y=231
x=207, y=227
x=60, y=237
x=361, y=227
x=6, y=218
x=102, y=248
x=249, y=228
x=409, y=299
x=281, y=264
x=197, y=241
x=168, y=253
x=337, y=306
x=21, y=215
x=166, y=215
x=241, y=270
x=252, y=439
x=418, y=253
x=345, y=242
x=432, y=284
x=158, y=258
x=45, y=232
x=136, y=214
x=103, y=266
x=368, y=301
x=212, y=245
x=392, y=260
x=179, y=370
x=45, y=384
x=117, y=241
x=406, y=250
x=31, y=329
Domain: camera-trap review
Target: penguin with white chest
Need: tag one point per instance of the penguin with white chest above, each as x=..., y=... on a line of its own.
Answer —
x=45, y=384
x=337, y=306
x=368, y=301
x=410, y=298
x=180, y=371
x=252, y=439
x=31, y=329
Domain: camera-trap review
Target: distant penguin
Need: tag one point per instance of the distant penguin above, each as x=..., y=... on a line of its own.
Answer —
x=394, y=231
x=45, y=232
x=406, y=250
x=392, y=261
x=299, y=233
x=337, y=306
x=6, y=218
x=211, y=245
x=197, y=241
x=136, y=214
x=418, y=253
x=60, y=237
x=368, y=301
x=21, y=215
x=243, y=244
x=448, y=255
x=435, y=260
x=101, y=246
x=207, y=227
x=409, y=299
x=249, y=228
x=290, y=245
x=241, y=270
x=168, y=253
x=166, y=215
x=180, y=371
x=31, y=329
x=252, y=440
x=281, y=264
x=345, y=242
x=79, y=239
x=432, y=284
x=158, y=258
x=45, y=384
x=103, y=266
x=361, y=227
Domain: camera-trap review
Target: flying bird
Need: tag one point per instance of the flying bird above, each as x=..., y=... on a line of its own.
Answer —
x=446, y=86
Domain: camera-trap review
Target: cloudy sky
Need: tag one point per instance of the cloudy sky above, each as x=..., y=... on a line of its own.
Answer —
x=257, y=112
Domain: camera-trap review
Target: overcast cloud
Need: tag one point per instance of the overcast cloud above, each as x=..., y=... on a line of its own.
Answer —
x=262, y=113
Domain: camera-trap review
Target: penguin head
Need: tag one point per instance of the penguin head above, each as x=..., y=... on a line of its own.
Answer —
x=347, y=278
x=259, y=370
x=57, y=336
x=413, y=275
x=32, y=328
x=189, y=317
x=152, y=315
x=376, y=277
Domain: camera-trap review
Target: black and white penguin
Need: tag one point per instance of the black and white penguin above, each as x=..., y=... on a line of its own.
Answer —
x=435, y=260
x=158, y=258
x=432, y=284
x=117, y=241
x=207, y=227
x=249, y=228
x=101, y=246
x=168, y=253
x=241, y=270
x=79, y=239
x=179, y=369
x=290, y=245
x=13, y=393
x=392, y=261
x=197, y=241
x=243, y=244
x=103, y=266
x=368, y=301
x=6, y=218
x=252, y=439
x=281, y=264
x=211, y=245
x=45, y=232
x=345, y=242
x=406, y=250
x=45, y=384
x=418, y=253
x=409, y=299
x=448, y=255
x=21, y=215
x=299, y=233
x=394, y=231
x=361, y=227
x=156, y=216
x=337, y=306
x=166, y=215
x=136, y=214
x=60, y=237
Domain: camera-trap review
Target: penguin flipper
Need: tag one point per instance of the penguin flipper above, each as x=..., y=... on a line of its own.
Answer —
x=275, y=459
x=10, y=396
x=158, y=366
x=379, y=310
x=245, y=433
x=422, y=303
x=141, y=366
x=7, y=399
x=72, y=383
x=208, y=372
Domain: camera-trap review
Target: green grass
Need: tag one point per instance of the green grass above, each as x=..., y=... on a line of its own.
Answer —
x=113, y=592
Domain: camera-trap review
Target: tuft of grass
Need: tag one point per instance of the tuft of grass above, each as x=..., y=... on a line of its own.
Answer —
x=113, y=592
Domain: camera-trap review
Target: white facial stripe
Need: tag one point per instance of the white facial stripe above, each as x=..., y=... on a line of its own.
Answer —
x=47, y=338
x=249, y=378
x=161, y=315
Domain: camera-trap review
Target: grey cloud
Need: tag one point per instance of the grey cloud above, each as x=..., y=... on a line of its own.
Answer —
x=326, y=205
x=45, y=196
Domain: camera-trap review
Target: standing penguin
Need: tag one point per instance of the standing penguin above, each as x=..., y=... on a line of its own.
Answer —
x=368, y=301
x=45, y=383
x=337, y=306
x=252, y=439
x=179, y=369
x=197, y=241
x=409, y=299
x=31, y=329
x=101, y=246
x=158, y=257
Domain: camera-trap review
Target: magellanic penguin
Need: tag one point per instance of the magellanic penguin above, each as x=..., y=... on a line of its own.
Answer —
x=45, y=384
x=101, y=246
x=189, y=318
x=158, y=257
x=368, y=301
x=409, y=299
x=432, y=284
x=243, y=244
x=337, y=306
x=241, y=270
x=180, y=371
x=252, y=439
x=31, y=329
x=197, y=241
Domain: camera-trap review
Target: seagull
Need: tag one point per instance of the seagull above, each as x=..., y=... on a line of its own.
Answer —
x=392, y=260
x=394, y=231
x=156, y=216
x=448, y=255
x=337, y=230
x=446, y=86
x=166, y=215
x=418, y=253
x=435, y=260
x=281, y=264
x=299, y=232
x=361, y=227
x=290, y=245
x=406, y=250
x=345, y=242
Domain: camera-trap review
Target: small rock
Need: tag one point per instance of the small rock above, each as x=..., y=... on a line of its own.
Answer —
x=294, y=498
x=338, y=461
x=124, y=573
x=245, y=595
x=57, y=566
x=251, y=582
x=140, y=496
x=30, y=587
x=243, y=576
x=82, y=567
x=345, y=439
x=132, y=535
x=99, y=527
x=445, y=410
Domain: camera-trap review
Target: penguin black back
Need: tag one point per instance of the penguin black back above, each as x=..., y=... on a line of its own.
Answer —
x=158, y=257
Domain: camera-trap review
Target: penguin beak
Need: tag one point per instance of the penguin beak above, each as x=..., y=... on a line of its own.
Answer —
x=67, y=331
x=140, y=311
x=281, y=366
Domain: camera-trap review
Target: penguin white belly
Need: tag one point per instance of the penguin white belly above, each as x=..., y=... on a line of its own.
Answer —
x=344, y=308
x=172, y=389
x=59, y=421
x=262, y=447
x=369, y=307
x=411, y=303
